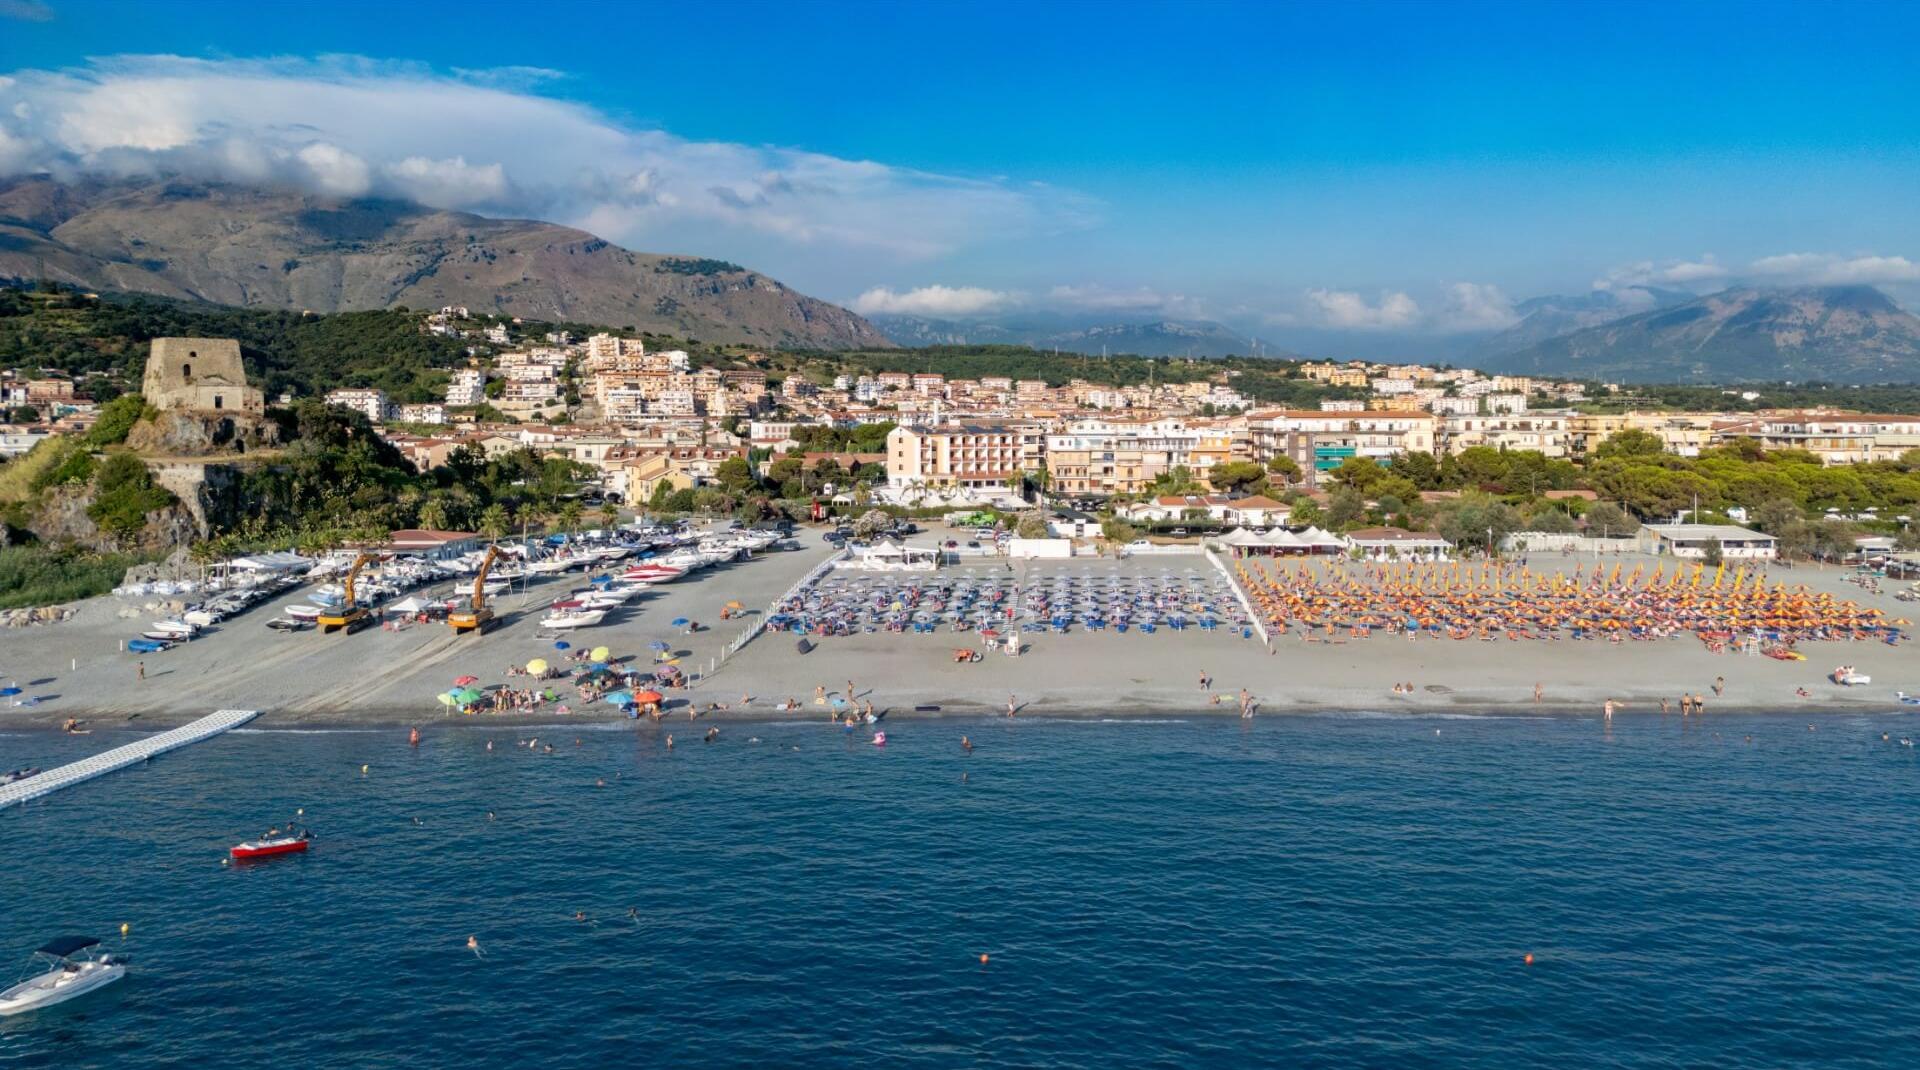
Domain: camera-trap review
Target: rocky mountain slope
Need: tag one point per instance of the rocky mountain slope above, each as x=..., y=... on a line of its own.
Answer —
x=266, y=248
x=1553, y=315
x=1840, y=334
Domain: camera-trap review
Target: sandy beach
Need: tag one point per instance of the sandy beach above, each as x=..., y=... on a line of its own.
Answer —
x=76, y=669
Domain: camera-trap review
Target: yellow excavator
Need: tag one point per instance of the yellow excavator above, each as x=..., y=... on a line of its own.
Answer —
x=478, y=616
x=351, y=616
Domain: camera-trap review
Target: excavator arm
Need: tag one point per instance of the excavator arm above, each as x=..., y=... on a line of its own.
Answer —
x=480, y=580
x=359, y=562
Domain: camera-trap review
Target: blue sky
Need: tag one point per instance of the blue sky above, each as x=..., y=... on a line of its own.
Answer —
x=1400, y=170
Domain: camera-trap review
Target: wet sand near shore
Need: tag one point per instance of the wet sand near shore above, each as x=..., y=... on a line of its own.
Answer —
x=383, y=678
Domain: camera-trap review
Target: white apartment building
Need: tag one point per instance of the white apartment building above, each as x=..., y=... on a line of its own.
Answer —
x=370, y=403
x=673, y=403
x=427, y=413
x=467, y=387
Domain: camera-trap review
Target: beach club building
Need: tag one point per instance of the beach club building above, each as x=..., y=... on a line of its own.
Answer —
x=1381, y=544
x=1692, y=540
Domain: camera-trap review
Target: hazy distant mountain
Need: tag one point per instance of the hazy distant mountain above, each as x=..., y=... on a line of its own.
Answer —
x=1547, y=317
x=1155, y=338
x=257, y=248
x=1842, y=334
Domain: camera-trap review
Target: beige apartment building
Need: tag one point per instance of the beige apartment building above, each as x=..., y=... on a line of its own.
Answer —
x=1834, y=437
x=952, y=455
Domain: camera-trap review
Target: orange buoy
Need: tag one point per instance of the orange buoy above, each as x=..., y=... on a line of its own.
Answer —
x=983, y=959
x=1529, y=958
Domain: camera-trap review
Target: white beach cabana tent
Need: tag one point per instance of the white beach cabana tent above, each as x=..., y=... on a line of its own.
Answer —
x=1321, y=542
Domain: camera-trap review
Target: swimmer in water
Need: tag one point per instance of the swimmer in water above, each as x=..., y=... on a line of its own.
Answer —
x=712, y=734
x=489, y=815
x=600, y=783
x=473, y=945
x=489, y=746
x=669, y=740
x=633, y=915
x=966, y=744
x=413, y=737
x=579, y=915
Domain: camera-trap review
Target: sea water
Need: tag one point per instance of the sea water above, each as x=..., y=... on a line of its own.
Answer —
x=1295, y=891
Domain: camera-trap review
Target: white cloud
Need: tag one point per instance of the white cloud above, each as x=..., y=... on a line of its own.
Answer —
x=480, y=141
x=1347, y=310
x=1093, y=297
x=1664, y=273
x=936, y=301
x=449, y=181
x=1476, y=306
x=1832, y=270
x=334, y=170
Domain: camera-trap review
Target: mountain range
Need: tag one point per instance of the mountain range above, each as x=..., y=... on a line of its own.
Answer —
x=275, y=248
x=1077, y=334
x=1839, y=334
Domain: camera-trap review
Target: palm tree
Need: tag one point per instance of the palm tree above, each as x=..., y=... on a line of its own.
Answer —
x=610, y=515
x=433, y=515
x=494, y=521
x=570, y=514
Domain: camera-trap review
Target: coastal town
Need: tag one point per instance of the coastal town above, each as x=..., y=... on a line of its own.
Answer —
x=1032, y=524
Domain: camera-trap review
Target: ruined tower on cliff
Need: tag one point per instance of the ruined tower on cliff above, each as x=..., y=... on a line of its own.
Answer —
x=199, y=375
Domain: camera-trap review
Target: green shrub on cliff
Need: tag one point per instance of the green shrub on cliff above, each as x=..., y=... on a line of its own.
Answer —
x=124, y=493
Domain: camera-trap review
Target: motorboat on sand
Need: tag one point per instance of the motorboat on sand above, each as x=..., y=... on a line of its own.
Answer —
x=573, y=618
x=69, y=975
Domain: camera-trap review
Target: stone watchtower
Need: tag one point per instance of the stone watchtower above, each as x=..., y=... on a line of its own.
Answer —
x=199, y=375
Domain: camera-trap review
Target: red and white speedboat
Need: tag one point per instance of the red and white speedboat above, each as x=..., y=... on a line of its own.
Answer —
x=284, y=845
x=654, y=573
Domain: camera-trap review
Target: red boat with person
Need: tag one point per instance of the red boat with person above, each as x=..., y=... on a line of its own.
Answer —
x=274, y=843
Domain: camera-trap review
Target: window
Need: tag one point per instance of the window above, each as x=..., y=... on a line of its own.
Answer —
x=219, y=402
x=186, y=370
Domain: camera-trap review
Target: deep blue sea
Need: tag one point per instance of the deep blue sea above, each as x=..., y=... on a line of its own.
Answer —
x=1338, y=891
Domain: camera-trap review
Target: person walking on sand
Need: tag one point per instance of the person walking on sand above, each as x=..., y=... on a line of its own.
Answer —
x=1607, y=710
x=1012, y=706
x=1205, y=680
x=1536, y=694
x=850, y=692
x=1719, y=685
x=141, y=669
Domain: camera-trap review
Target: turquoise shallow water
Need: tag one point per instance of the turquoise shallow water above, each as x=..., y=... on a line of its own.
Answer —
x=1300, y=891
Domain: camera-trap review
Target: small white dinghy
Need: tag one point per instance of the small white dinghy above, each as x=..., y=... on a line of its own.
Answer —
x=69, y=976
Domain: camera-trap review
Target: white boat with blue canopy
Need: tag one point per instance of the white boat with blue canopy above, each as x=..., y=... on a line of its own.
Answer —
x=71, y=973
